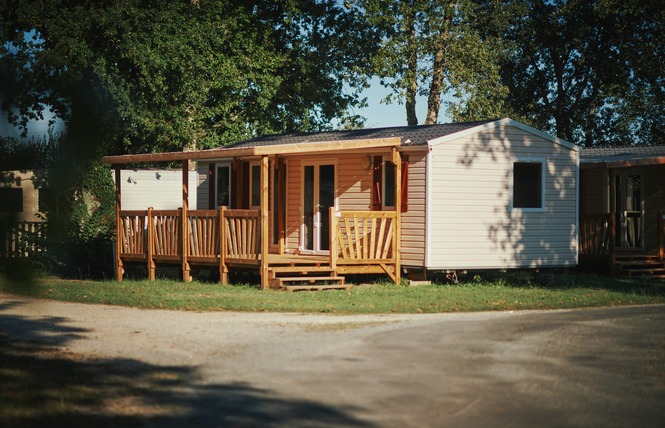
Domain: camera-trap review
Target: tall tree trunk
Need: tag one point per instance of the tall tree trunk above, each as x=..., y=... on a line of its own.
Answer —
x=435, y=89
x=434, y=98
x=411, y=76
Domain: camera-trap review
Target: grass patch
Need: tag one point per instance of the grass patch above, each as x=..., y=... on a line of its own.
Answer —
x=507, y=292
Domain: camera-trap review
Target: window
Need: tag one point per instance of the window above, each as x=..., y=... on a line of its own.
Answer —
x=255, y=186
x=528, y=190
x=383, y=184
x=12, y=199
x=223, y=185
x=388, y=185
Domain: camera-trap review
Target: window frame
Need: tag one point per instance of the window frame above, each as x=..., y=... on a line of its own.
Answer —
x=252, y=183
x=218, y=165
x=527, y=160
x=384, y=187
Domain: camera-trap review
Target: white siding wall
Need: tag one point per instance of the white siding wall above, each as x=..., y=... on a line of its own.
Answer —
x=470, y=223
x=160, y=189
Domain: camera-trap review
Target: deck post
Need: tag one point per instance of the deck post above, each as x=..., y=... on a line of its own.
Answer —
x=397, y=230
x=613, y=244
x=264, y=222
x=223, y=269
x=119, y=268
x=279, y=203
x=333, y=240
x=661, y=235
x=184, y=222
x=151, y=245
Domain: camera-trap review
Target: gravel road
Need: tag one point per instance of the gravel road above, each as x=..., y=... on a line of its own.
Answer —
x=595, y=367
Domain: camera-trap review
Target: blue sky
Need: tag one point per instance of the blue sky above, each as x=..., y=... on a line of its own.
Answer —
x=383, y=115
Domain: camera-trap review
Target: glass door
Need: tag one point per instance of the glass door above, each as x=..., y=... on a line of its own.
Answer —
x=629, y=210
x=318, y=197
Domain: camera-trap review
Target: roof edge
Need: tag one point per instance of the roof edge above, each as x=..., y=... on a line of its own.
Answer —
x=504, y=122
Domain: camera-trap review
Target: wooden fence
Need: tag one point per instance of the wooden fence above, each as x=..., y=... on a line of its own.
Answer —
x=362, y=241
x=24, y=239
x=158, y=236
x=596, y=234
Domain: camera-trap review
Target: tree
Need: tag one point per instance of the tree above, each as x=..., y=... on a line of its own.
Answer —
x=164, y=75
x=588, y=71
x=434, y=48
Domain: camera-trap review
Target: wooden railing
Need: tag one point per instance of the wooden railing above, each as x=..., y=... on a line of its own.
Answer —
x=204, y=234
x=132, y=230
x=24, y=239
x=159, y=236
x=364, y=238
x=241, y=237
x=596, y=234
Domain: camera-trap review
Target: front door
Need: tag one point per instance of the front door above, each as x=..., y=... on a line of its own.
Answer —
x=318, y=197
x=629, y=210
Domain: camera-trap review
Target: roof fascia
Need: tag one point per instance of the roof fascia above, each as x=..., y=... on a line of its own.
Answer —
x=280, y=149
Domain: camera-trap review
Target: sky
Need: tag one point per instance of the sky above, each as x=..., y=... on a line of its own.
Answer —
x=384, y=115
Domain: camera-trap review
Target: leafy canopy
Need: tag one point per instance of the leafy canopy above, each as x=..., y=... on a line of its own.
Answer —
x=164, y=75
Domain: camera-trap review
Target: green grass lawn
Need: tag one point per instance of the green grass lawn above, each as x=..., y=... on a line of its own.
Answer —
x=508, y=292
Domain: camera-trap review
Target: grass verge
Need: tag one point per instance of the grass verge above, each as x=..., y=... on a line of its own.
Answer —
x=510, y=292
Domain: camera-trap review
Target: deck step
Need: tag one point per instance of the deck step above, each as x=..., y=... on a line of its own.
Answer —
x=298, y=283
x=301, y=269
x=314, y=287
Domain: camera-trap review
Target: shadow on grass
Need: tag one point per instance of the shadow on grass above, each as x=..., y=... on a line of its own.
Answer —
x=561, y=281
x=43, y=385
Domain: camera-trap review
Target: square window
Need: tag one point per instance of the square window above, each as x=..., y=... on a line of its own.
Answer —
x=528, y=185
x=12, y=199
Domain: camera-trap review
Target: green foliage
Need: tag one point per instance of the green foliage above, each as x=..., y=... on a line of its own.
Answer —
x=167, y=75
x=588, y=71
x=435, y=48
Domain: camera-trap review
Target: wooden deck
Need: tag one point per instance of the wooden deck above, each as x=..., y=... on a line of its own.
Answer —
x=361, y=243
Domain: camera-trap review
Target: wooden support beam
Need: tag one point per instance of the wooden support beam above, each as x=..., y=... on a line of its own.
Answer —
x=397, y=230
x=184, y=223
x=223, y=269
x=333, y=240
x=280, y=203
x=151, y=245
x=119, y=269
x=265, y=238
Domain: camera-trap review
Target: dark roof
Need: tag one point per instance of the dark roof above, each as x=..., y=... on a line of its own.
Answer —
x=621, y=154
x=410, y=135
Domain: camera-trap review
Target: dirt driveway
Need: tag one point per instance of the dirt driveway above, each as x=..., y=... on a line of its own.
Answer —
x=595, y=367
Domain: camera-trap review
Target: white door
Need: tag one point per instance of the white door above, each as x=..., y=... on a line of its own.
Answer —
x=318, y=197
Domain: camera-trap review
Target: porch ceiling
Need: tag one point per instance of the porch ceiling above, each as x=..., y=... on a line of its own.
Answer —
x=282, y=149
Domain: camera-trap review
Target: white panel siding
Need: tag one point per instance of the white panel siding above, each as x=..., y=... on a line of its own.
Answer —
x=471, y=224
x=159, y=189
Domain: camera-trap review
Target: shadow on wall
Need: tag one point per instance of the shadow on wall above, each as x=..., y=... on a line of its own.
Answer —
x=520, y=237
x=43, y=386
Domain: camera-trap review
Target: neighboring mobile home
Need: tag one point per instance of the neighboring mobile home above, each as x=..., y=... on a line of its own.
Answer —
x=622, y=208
x=22, y=218
x=479, y=195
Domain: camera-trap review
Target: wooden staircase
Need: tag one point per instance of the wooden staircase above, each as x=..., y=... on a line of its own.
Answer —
x=305, y=278
x=641, y=265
